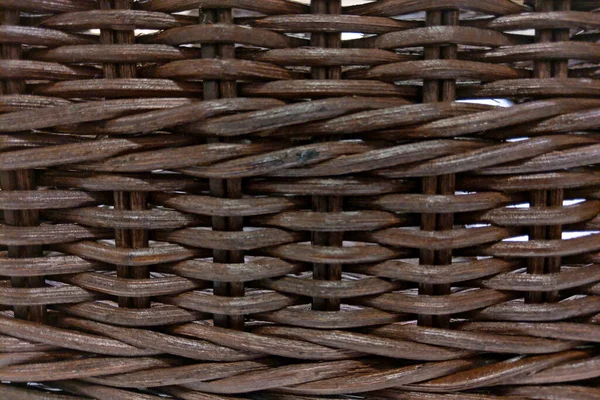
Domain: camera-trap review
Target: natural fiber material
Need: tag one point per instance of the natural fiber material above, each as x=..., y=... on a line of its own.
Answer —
x=269, y=199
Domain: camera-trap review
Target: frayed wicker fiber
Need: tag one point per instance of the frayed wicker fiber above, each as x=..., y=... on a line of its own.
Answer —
x=299, y=200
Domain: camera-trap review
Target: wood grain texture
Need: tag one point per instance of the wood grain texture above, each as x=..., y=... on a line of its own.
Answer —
x=299, y=199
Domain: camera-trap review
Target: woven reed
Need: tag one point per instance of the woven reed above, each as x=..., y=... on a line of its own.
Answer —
x=231, y=199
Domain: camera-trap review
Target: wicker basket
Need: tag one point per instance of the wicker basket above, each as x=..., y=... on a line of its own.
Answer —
x=276, y=199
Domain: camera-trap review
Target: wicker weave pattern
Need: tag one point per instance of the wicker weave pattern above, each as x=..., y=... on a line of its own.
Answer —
x=268, y=199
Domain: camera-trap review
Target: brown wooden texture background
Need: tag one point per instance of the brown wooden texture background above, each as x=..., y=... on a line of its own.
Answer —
x=269, y=199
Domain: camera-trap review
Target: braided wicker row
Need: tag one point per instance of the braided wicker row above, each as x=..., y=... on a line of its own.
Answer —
x=271, y=199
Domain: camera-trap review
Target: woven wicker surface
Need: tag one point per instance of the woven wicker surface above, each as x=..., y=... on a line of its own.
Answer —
x=268, y=199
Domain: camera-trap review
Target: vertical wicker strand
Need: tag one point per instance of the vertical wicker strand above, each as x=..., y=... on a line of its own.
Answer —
x=431, y=93
x=542, y=69
x=20, y=180
x=230, y=188
x=126, y=238
x=556, y=197
x=446, y=183
x=434, y=91
x=547, y=198
x=329, y=272
x=138, y=201
x=427, y=256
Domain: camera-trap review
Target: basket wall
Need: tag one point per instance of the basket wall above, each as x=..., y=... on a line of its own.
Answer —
x=269, y=199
